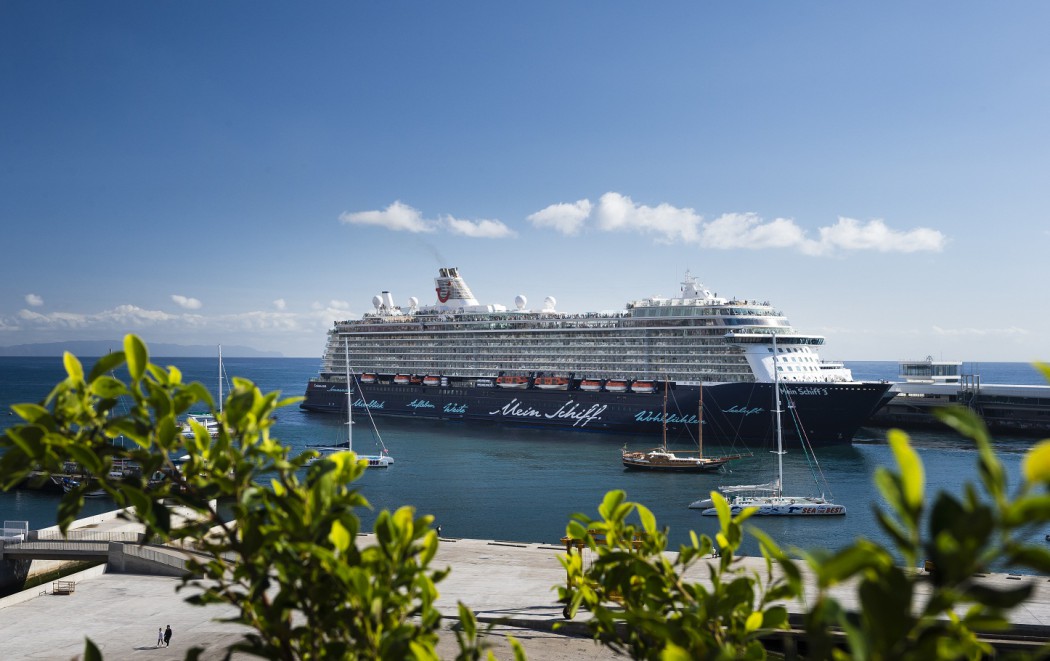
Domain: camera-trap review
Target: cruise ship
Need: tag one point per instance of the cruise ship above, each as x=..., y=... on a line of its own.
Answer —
x=711, y=358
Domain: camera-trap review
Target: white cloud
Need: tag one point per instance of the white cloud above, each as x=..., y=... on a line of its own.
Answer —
x=618, y=213
x=34, y=300
x=850, y=234
x=746, y=230
x=398, y=217
x=280, y=304
x=1010, y=331
x=567, y=218
x=479, y=229
x=186, y=302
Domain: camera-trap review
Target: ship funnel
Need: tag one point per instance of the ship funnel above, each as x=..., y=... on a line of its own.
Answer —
x=452, y=290
x=388, y=300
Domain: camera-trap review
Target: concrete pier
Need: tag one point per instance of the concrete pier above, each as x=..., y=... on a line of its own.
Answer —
x=506, y=582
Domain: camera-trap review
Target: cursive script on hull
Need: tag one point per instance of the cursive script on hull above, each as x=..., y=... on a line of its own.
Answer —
x=580, y=414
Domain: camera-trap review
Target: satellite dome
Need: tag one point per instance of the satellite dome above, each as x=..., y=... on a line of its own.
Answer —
x=549, y=303
x=413, y=302
x=520, y=301
x=377, y=301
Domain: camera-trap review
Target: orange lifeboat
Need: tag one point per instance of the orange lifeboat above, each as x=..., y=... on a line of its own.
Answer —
x=368, y=377
x=432, y=381
x=643, y=386
x=401, y=379
x=512, y=381
x=616, y=385
x=591, y=385
x=552, y=382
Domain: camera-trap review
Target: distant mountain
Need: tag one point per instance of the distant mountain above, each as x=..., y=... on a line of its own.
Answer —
x=95, y=348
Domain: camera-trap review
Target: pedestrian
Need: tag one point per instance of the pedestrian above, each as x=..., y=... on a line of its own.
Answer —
x=160, y=636
x=167, y=636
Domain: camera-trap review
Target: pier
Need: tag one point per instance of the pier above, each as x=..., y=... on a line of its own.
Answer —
x=510, y=583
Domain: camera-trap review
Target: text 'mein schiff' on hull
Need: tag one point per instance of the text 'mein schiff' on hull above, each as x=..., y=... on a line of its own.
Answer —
x=601, y=371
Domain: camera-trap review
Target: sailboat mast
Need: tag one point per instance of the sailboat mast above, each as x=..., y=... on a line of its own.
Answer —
x=665, y=415
x=349, y=400
x=220, y=378
x=780, y=440
x=700, y=422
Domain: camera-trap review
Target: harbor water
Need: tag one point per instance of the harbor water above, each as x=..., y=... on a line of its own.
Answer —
x=517, y=484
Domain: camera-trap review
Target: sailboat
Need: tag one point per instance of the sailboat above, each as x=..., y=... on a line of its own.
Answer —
x=381, y=460
x=662, y=459
x=769, y=499
x=207, y=420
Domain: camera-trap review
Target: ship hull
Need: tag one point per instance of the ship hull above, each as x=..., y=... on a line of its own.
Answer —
x=733, y=413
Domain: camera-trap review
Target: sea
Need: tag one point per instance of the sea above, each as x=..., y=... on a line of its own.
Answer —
x=522, y=485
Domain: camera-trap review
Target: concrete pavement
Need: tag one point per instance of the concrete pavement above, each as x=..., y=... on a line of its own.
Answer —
x=498, y=580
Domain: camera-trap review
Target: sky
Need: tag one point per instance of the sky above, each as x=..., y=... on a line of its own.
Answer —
x=246, y=172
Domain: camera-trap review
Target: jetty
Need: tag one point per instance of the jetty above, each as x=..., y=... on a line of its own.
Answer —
x=120, y=602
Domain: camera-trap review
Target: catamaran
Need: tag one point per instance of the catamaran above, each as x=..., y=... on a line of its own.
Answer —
x=381, y=460
x=769, y=499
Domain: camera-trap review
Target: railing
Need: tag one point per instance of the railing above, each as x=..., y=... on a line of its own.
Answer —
x=86, y=536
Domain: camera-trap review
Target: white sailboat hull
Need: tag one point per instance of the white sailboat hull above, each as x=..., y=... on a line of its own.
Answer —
x=782, y=506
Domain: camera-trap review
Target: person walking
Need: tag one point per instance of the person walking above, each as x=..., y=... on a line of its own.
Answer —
x=167, y=636
x=160, y=636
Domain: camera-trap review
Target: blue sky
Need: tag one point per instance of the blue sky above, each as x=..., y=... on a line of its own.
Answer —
x=246, y=172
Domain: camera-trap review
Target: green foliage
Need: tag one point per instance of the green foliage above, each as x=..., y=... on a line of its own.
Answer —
x=641, y=603
x=286, y=556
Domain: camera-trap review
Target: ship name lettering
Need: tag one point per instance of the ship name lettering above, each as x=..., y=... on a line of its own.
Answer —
x=361, y=404
x=754, y=410
x=809, y=390
x=515, y=408
x=672, y=418
x=455, y=408
x=420, y=404
x=571, y=410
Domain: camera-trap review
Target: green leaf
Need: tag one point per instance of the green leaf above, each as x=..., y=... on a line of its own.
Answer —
x=73, y=367
x=339, y=537
x=30, y=412
x=137, y=355
x=91, y=651
x=1036, y=463
x=913, y=478
x=106, y=364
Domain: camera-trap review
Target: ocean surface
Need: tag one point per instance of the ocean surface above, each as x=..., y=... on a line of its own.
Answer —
x=506, y=483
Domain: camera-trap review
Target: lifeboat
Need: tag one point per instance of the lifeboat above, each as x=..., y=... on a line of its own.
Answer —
x=551, y=382
x=415, y=379
x=591, y=385
x=401, y=379
x=643, y=387
x=616, y=385
x=512, y=381
x=432, y=381
x=368, y=377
